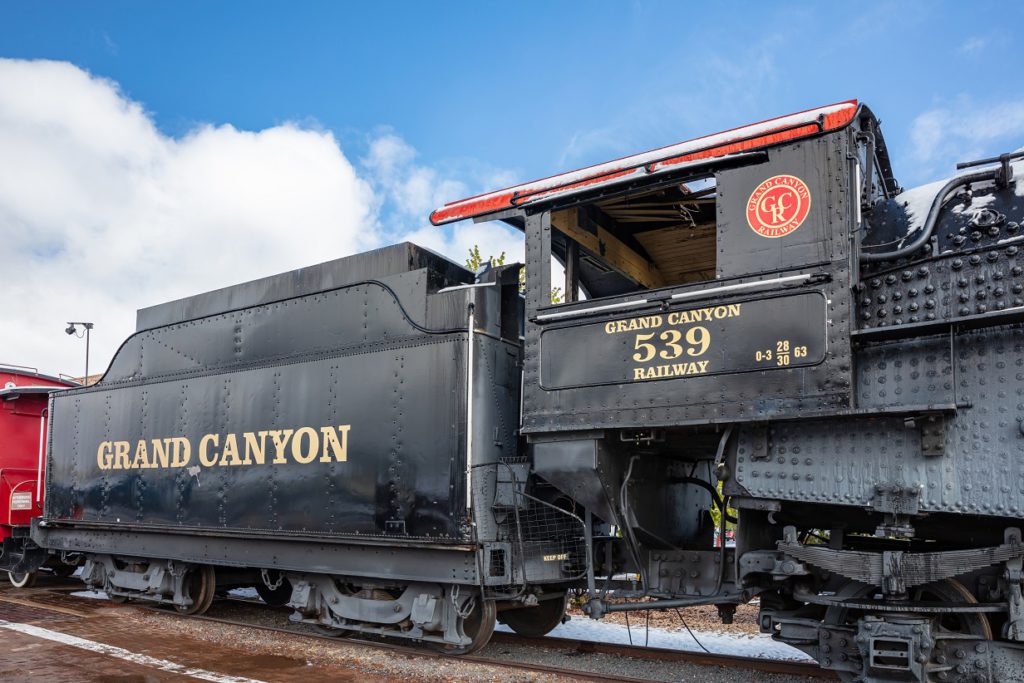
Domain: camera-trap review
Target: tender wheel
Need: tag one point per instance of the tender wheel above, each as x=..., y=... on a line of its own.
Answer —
x=200, y=585
x=479, y=626
x=22, y=579
x=534, y=622
x=276, y=596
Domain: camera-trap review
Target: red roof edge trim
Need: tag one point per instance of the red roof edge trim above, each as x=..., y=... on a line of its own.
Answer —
x=743, y=139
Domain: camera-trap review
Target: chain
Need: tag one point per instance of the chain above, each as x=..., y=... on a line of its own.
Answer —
x=273, y=586
x=467, y=609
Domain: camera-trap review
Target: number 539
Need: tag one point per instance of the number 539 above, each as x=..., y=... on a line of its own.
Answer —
x=697, y=340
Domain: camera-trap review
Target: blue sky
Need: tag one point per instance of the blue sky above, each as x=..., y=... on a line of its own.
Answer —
x=153, y=150
x=536, y=87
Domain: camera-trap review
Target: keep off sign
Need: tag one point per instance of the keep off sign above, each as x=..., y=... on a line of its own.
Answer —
x=778, y=206
x=21, y=500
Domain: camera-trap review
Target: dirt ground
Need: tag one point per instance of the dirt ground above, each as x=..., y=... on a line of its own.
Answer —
x=703, y=618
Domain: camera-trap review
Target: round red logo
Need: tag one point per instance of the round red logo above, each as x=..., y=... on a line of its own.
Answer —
x=778, y=206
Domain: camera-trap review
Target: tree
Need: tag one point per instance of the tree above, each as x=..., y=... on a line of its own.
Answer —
x=475, y=261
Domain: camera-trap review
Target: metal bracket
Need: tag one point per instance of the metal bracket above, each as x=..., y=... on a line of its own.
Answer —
x=895, y=499
x=757, y=440
x=933, y=435
x=898, y=503
x=933, y=432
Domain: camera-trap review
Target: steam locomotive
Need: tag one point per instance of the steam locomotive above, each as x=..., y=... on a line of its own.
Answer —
x=761, y=332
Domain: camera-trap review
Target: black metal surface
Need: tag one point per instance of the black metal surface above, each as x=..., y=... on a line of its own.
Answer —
x=820, y=165
x=447, y=564
x=355, y=363
x=379, y=263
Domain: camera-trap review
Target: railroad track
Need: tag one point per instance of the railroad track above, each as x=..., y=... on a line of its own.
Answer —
x=569, y=645
x=566, y=645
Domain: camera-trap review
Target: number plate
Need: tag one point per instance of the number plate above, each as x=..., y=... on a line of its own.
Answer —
x=761, y=334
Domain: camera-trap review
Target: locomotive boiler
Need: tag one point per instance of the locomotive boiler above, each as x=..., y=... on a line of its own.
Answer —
x=761, y=331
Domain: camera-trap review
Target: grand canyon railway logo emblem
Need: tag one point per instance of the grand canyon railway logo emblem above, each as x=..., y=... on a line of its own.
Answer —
x=778, y=206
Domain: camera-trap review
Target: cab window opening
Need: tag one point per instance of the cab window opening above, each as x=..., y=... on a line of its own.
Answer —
x=634, y=242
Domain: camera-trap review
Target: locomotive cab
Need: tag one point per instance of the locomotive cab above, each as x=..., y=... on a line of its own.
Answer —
x=761, y=326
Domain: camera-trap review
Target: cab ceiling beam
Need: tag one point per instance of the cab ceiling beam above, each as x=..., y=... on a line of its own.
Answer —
x=609, y=248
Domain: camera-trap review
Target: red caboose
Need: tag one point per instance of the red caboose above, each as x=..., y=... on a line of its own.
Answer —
x=24, y=395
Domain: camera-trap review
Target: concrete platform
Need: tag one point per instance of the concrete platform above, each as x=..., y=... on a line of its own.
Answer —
x=52, y=636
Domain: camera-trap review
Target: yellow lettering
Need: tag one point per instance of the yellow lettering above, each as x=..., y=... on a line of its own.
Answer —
x=306, y=444
x=182, y=451
x=609, y=328
x=255, y=450
x=229, y=456
x=203, y=459
x=141, y=461
x=280, y=438
x=638, y=373
x=312, y=449
x=161, y=456
x=121, y=449
x=338, y=449
x=103, y=455
x=734, y=310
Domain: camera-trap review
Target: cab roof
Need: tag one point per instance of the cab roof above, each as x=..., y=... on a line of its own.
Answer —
x=673, y=157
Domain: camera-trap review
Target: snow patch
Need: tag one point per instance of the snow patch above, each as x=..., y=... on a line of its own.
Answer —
x=918, y=202
x=754, y=645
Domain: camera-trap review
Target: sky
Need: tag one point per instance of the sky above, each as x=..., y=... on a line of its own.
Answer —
x=153, y=150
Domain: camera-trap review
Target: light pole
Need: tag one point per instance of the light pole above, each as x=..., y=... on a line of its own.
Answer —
x=71, y=330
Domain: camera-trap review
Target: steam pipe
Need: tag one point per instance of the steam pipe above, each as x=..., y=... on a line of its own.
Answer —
x=933, y=216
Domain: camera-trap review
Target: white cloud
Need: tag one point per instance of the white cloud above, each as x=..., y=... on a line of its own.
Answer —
x=411, y=191
x=415, y=190
x=101, y=213
x=973, y=45
x=962, y=130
